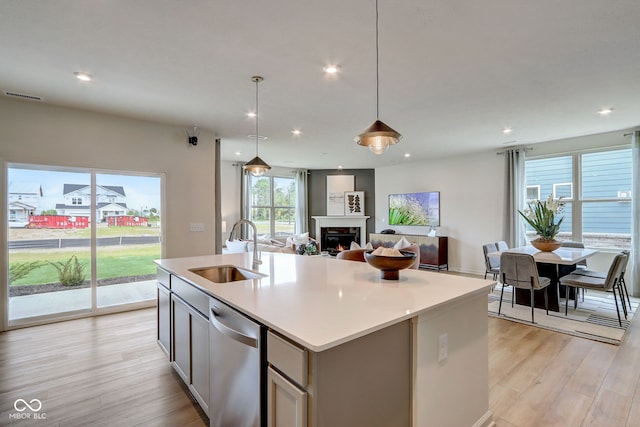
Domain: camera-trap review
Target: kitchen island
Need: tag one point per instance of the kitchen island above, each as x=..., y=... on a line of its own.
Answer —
x=411, y=352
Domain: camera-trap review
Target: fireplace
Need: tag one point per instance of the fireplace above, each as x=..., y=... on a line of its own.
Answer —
x=344, y=230
x=337, y=239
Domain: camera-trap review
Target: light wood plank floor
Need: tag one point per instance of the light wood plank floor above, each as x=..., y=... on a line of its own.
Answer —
x=109, y=371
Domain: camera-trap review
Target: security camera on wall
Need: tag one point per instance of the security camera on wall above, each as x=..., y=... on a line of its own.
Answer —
x=192, y=136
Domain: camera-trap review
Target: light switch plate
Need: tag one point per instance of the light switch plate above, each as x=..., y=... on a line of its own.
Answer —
x=442, y=347
x=196, y=226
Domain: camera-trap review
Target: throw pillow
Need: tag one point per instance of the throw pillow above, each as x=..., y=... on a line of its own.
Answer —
x=236, y=246
x=355, y=245
x=402, y=243
x=295, y=240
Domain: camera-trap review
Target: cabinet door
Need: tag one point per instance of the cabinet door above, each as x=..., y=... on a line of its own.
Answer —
x=200, y=360
x=286, y=403
x=181, y=338
x=164, y=319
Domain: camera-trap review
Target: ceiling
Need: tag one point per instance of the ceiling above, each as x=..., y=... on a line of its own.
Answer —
x=453, y=73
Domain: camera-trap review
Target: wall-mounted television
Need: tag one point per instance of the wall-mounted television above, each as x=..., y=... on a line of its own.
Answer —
x=415, y=209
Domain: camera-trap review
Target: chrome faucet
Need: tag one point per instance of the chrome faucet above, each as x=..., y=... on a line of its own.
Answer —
x=256, y=255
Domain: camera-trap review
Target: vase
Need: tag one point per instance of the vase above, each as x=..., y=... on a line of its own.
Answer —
x=546, y=245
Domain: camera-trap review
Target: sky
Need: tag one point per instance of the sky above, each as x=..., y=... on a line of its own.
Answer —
x=141, y=191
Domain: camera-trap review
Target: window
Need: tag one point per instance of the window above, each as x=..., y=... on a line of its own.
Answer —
x=273, y=205
x=533, y=192
x=599, y=212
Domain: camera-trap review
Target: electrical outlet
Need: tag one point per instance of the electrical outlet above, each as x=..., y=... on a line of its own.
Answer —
x=196, y=226
x=442, y=347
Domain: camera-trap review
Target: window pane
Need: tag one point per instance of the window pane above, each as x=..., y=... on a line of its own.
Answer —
x=49, y=242
x=128, y=237
x=607, y=224
x=285, y=223
x=284, y=192
x=260, y=217
x=550, y=172
x=260, y=191
x=606, y=175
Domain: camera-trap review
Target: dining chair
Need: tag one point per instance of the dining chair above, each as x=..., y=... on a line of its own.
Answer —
x=520, y=271
x=502, y=245
x=610, y=283
x=491, y=264
x=352, y=254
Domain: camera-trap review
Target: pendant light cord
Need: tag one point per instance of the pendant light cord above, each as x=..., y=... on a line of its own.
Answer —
x=257, y=137
x=377, y=69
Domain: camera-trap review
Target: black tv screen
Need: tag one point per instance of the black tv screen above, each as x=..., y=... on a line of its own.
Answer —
x=415, y=209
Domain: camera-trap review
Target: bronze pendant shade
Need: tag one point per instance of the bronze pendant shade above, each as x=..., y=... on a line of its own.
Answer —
x=378, y=137
x=256, y=166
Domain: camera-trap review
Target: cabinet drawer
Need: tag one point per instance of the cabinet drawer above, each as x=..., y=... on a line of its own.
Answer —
x=289, y=359
x=190, y=294
x=163, y=277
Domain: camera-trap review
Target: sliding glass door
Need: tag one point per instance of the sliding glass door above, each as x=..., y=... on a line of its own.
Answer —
x=79, y=241
x=127, y=237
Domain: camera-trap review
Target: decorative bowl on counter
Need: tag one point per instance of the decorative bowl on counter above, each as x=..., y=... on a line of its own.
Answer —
x=390, y=266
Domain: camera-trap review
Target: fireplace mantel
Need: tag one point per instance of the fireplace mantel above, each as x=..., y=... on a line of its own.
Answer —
x=343, y=221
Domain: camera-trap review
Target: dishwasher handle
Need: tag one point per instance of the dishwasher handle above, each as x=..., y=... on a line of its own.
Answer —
x=232, y=333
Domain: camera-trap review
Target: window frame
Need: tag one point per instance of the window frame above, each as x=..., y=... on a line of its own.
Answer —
x=577, y=201
x=272, y=207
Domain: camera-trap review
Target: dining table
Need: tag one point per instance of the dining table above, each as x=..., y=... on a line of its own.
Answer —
x=553, y=265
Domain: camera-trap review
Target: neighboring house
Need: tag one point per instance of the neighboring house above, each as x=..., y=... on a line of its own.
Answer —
x=110, y=201
x=23, y=202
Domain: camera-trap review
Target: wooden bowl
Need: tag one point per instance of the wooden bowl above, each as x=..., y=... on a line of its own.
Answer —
x=390, y=266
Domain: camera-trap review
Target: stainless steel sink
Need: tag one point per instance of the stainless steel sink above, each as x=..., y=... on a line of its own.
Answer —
x=226, y=273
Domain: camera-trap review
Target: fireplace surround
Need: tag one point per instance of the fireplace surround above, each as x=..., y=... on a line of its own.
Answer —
x=344, y=227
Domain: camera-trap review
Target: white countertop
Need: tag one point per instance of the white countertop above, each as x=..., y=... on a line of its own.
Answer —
x=321, y=302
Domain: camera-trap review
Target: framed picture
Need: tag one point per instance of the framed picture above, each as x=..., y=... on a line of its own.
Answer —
x=337, y=185
x=354, y=203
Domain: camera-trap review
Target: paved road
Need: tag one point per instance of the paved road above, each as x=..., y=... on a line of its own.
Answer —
x=71, y=243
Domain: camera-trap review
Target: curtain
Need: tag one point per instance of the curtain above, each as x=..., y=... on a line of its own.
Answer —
x=245, y=201
x=633, y=272
x=513, y=227
x=302, y=207
x=218, y=199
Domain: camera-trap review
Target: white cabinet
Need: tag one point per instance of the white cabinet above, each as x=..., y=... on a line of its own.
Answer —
x=164, y=318
x=287, y=378
x=190, y=336
x=286, y=403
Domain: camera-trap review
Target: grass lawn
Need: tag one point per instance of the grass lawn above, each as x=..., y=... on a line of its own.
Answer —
x=112, y=262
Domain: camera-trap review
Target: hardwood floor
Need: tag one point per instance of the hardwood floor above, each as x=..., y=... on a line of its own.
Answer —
x=100, y=371
x=109, y=371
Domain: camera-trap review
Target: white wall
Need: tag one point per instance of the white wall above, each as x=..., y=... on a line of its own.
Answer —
x=471, y=196
x=37, y=133
x=471, y=189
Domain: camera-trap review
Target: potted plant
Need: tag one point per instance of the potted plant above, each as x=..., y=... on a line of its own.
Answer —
x=541, y=216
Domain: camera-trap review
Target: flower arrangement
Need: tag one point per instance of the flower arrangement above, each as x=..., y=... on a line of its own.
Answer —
x=540, y=215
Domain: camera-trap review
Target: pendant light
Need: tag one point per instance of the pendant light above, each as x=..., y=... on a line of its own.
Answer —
x=378, y=137
x=256, y=166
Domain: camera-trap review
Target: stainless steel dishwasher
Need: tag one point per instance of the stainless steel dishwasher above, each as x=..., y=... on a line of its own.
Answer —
x=237, y=374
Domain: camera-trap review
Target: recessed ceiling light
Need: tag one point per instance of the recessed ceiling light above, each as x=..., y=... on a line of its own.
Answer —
x=82, y=76
x=331, y=69
x=251, y=114
x=605, y=111
x=507, y=131
x=237, y=153
x=339, y=167
x=260, y=137
x=407, y=155
x=296, y=132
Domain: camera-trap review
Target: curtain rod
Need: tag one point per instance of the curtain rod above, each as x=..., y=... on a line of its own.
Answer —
x=499, y=153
